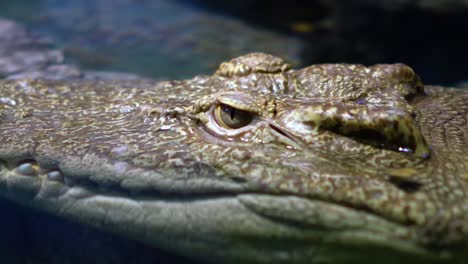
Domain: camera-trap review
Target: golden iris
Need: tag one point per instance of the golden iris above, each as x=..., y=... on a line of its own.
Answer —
x=230, y=117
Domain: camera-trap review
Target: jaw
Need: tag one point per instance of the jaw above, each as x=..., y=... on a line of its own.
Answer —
x=32, y=235
x=245, y=227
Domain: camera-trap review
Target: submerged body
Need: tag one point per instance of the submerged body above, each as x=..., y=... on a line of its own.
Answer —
x=258, y=163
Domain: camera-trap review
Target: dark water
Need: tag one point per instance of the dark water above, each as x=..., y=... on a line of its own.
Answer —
x=173, y=39
x=160, y=39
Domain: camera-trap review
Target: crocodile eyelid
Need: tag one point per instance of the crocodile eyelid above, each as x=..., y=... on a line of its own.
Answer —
x=240, y=101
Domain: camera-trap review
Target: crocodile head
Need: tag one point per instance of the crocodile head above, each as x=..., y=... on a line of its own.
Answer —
x=256, y=163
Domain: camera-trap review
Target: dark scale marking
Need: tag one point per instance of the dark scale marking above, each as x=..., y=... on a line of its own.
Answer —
x=406, y=185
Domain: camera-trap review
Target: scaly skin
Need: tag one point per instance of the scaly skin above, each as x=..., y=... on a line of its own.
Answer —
x=334, y=163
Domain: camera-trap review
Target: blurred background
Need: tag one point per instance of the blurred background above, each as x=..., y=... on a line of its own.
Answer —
x=173, y=39
x=176, y=39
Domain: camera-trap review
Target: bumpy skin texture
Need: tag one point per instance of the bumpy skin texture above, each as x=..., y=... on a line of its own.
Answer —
x=335, y=162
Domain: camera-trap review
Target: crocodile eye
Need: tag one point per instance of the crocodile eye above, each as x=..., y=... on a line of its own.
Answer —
x=230, y=117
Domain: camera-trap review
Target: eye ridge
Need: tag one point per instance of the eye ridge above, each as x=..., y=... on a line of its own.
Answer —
x=231, y=117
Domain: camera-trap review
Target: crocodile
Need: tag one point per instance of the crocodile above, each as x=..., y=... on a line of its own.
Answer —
x=257, y=163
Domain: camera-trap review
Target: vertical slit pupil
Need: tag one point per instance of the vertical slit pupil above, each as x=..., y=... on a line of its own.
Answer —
x=232, y=113
x=229, y=110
